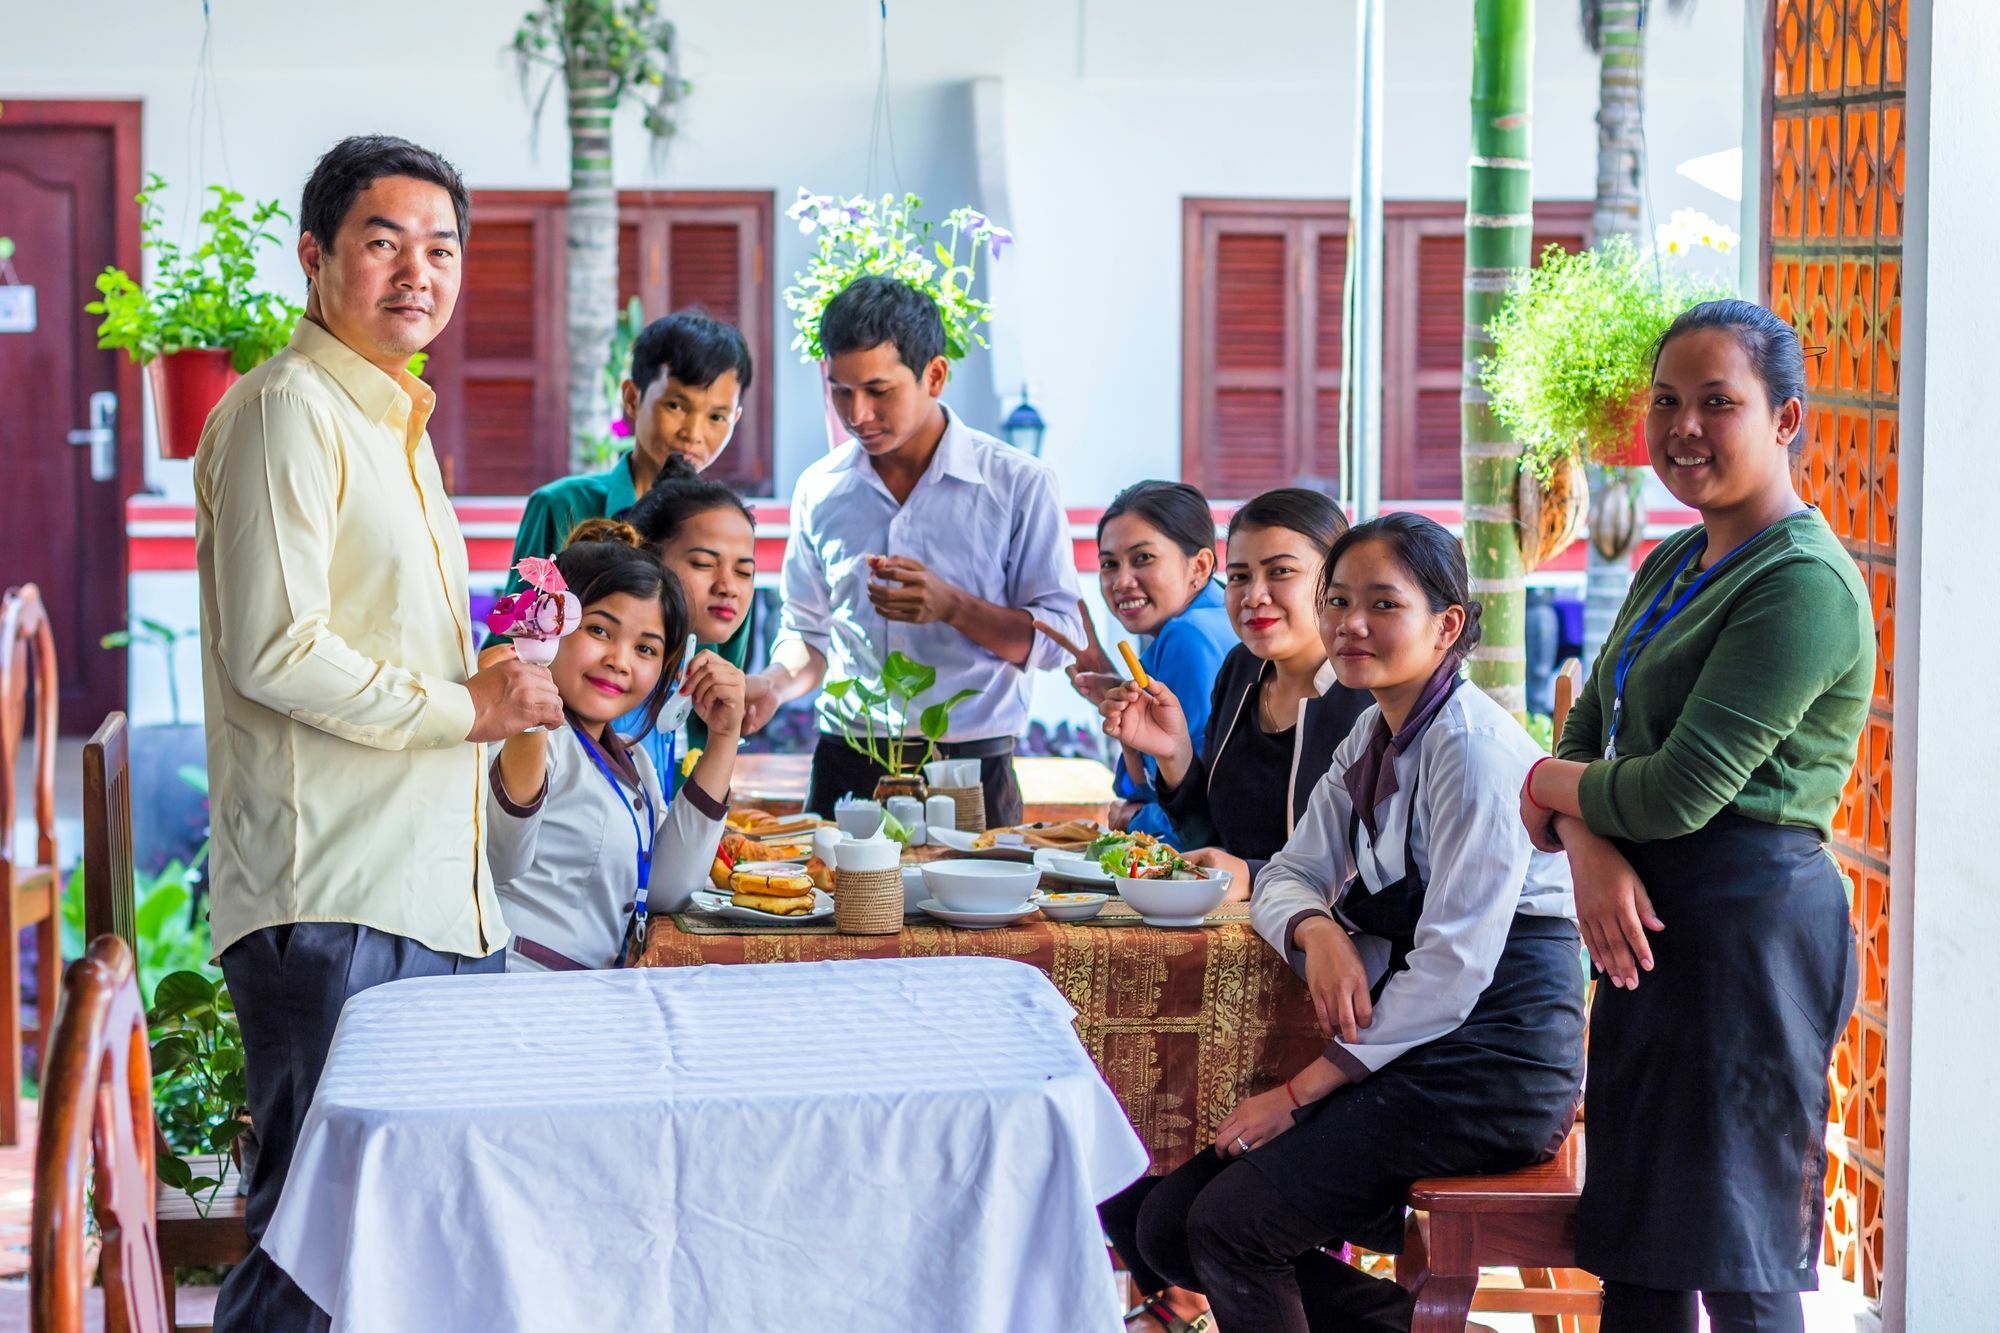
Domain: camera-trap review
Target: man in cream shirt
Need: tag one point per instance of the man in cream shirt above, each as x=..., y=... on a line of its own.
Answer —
x=344, y=713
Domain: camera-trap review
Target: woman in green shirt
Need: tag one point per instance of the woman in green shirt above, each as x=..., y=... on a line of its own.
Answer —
x=1694, y=786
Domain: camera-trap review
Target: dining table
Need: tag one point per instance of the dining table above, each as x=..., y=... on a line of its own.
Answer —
x=912, y=1142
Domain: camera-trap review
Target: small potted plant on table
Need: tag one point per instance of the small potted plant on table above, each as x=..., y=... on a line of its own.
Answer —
x=888, y=743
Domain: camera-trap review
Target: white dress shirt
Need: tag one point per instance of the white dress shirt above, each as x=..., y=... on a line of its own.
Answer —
x=985, y=518
x=1466, y=843
x=567, y=864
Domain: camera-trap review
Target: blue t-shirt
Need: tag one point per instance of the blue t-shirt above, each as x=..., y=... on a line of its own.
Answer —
x=1184, y=656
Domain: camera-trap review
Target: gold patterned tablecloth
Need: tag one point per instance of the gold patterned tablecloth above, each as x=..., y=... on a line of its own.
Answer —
x=1182, y=1023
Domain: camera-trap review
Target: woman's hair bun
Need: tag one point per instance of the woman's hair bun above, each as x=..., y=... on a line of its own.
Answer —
x=604, y=530
x=678, y=467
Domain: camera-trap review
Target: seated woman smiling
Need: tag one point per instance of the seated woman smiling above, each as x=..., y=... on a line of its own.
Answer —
x=1440, y=951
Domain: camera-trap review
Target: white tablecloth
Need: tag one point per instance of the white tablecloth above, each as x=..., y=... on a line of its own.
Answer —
x=892, y=1144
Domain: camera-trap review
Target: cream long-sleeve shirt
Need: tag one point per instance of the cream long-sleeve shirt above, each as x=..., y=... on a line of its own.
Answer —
x=336, y=643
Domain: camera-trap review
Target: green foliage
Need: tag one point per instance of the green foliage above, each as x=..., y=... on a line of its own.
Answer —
x=206, y=297
x=627, y=41
x=138, y=629
x=862, y=237
x=902, y=681
x=199, y=1097
x=601, y=450
x=1542, y=727
x=1573, y=350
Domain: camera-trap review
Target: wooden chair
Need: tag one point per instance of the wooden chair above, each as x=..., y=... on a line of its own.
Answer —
x=109, y=903
x=186, y=1238
x=31, y=891
x=1569, y=684
x=97, y=1109
x=1524, y=1219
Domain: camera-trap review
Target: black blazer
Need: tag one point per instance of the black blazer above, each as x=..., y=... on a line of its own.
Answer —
x=1233, y=706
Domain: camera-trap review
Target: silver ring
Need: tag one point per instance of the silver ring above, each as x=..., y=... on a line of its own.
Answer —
x=1241, y=1144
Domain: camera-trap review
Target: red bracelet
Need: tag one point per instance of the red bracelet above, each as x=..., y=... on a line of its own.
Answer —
x=1528, y=787
x=1293, y=1095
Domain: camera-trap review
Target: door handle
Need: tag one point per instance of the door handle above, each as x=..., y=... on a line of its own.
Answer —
x=101, y=436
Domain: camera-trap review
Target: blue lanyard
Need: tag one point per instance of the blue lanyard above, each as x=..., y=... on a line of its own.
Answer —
x=1645, y=628
x=644, y=835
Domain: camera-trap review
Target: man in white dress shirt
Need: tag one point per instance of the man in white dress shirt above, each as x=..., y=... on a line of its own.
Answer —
x=921, y=536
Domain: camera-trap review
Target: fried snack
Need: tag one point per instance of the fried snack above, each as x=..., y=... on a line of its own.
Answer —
x=793, y=905
x=1072, y=835
x=1139, y=676
x=770, y=882
x=764, y=824
x=820, y=873
x=740, y=848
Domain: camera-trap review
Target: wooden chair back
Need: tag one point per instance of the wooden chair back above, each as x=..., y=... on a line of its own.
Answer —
x=1569, y=684
x=108, y=881
x=97, y=1111
x=27, y=656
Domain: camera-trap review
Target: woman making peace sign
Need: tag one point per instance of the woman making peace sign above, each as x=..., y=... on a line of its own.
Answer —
x=1697, y=780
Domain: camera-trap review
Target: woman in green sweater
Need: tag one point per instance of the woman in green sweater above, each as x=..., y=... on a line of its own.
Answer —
x=1693, y=789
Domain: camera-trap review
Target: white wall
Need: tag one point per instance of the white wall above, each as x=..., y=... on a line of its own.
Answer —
x=1944, y=1184
x=1109, y=113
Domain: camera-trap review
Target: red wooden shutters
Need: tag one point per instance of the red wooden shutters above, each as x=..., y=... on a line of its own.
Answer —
x=1261, y=329
x=501, y=368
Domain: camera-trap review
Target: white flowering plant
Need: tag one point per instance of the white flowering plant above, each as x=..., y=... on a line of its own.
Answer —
x=862, y=237
x=1690, y=229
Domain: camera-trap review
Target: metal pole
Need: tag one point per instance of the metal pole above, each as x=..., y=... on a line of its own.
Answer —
x=1364, y=360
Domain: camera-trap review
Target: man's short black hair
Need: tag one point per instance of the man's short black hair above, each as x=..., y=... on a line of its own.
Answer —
x=880, y=309
x=355, y=163
x=692, y=346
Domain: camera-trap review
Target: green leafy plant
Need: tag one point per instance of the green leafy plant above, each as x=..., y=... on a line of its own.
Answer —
x=628, y=44
x=861, y=237
x=204, y=297
x=139, y=629
x=199, y=1096
x=603, y=449
x=1573, y=350
x=889, y=744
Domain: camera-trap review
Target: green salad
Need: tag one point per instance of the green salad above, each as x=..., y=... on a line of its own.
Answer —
x=1138, y=856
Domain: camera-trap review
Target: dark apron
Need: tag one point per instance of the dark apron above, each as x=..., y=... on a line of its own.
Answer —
x=1497, y=1093
x=1707, y=1098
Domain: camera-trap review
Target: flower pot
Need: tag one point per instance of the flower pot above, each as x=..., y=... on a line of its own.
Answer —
x=186, y=387
x=1551, y=515
x=908, y=784
x=1634, y=453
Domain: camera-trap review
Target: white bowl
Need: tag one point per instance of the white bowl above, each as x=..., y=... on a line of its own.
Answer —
x=981, y=886
x=914, y=889
x=1072, y=906
x=1174, y=902
x=860, y=820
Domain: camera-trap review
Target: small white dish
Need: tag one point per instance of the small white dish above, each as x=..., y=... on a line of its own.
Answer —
x=956, y=839
x=1071, y=906
x=1073, y=868
x=981, y=886
x=1174, y=902
x=976, y=920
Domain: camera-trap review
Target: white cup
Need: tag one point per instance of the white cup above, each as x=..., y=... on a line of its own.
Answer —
x=859, y=819
x=941, y=812
x=825, y=841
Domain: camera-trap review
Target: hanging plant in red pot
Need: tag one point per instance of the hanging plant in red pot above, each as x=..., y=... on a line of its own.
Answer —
x=202, y=321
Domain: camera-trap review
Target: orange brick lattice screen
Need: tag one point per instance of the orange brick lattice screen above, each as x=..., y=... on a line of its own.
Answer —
x=1834, y=209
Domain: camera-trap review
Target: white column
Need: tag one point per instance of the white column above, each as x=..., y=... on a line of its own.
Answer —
x=1944, y=1004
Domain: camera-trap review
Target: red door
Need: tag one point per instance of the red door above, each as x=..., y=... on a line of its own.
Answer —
x=68, y=171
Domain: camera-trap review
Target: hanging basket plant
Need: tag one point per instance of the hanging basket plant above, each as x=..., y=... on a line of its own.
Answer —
x=203, y=320
x=862, y=237
x=1573, y=356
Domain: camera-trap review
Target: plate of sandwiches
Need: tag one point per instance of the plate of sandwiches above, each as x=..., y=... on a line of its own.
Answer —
x=771, y=892
x=1020, y=842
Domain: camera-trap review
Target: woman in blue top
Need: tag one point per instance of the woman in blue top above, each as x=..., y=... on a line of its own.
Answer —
x=1156, y=566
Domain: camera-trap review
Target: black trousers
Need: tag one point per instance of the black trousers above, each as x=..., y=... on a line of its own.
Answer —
x=1630, y=1309
x=1221, y=1228
x=839, y=770
x=289, y=983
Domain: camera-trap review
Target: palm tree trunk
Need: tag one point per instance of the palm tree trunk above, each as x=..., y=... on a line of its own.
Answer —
x=593, y=252
x=1621, y=77
x=1499, y=230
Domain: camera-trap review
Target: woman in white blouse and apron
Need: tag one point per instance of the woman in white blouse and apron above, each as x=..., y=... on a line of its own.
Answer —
x=1442, y=957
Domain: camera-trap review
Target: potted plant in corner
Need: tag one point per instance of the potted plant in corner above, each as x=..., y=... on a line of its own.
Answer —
x=891, y=746
x=1573, y=355
x=202, y=321
x=200, y=1101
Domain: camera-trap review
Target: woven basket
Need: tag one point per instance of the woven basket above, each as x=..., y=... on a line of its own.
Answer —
x=1551, y=516
x=868, y=902
x=969, y=803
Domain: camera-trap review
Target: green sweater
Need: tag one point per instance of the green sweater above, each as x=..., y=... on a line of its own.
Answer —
x=553, y=511
x=1751, y=699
